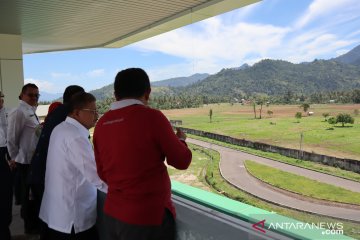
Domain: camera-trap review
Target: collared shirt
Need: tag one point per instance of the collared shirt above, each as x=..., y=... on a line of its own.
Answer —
x=71, y=179
x=21, y=133
x=132, y=161
x=124, y=103
x=3, y=126
x=38, y=162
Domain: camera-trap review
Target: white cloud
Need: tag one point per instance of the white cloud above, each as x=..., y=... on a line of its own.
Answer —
x=217, y=43
x=44, y=86
x=96, y=73
x=311, y=45
x=169, y=71
x=320, y=8
x=354, y=34
x=180, y=70
x=341, y=52
x=61, y=75
x=237, y=16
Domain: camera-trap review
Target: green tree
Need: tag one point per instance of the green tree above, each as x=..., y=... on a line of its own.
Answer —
x=261, y=102
x=305, y=107
x=326, y=115
x=344, y=118
x=332, y=121
x=298, y=116
x=288, y=96
x=254, y=108
x=356, y=96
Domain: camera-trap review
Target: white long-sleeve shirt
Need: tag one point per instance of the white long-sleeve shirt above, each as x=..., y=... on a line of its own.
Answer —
x=3, y=127
x=71, y=180
x=21, y=133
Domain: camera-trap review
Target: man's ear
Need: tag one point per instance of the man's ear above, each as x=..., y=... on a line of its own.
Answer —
x=147, y=94
x=116, y=97
x=76, y=112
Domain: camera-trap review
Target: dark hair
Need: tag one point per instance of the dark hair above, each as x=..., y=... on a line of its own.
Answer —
x=27, y=86
x=70, y=91
x=131, y=82
x=80, y=100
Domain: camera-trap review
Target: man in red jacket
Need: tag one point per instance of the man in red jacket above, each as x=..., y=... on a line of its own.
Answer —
x=131, y=143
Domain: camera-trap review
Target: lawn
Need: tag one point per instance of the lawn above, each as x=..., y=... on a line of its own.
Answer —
x=281, y=128
x=194, y=175
x=301, y=185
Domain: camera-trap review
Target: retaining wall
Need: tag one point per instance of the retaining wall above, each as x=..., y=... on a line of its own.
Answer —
x=343, y=163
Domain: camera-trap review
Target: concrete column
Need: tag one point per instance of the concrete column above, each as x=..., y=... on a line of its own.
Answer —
x=11, y=68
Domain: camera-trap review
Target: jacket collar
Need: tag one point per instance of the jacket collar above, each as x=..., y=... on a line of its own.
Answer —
x=125, y=103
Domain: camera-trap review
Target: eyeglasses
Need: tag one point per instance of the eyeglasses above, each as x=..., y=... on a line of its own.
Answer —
x=94, y=111
x=33, y=95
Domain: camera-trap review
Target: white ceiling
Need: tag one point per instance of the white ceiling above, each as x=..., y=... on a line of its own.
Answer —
x=52, y=25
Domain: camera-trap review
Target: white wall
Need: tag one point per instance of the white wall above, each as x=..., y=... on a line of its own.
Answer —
x=11, y=68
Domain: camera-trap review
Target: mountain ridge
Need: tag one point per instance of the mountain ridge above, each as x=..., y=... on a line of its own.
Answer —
x=180, y=81
x=271, y=77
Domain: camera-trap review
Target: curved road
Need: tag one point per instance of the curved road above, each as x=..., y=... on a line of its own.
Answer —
x=233, y=170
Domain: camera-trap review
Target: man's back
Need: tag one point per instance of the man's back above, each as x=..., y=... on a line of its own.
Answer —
x=38, y=162
x=3, y=126
x=69, y=198
x=131, y=144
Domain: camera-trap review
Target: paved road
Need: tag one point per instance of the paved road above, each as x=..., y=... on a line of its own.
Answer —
x=233, y=170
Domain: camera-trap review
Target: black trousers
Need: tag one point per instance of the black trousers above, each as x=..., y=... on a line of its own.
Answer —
x=29, y=205
x=6, y=193
x=122, y=231
x=17, y=186
x=101, y=218
x=90, y=234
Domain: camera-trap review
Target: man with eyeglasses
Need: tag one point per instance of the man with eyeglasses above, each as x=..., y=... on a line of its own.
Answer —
x=36, y=178
x=68, y=205
x=21, y=145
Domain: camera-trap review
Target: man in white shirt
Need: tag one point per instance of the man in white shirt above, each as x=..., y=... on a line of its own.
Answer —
x=20, y=143
x=68, y=205
x=5, y=176
x=3, y=121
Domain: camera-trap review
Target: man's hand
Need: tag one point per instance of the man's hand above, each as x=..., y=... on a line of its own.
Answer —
x=12, y=164
x=180, y=134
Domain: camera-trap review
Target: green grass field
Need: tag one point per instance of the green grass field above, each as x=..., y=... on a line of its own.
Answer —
x=301, y=185
x=292, y=161
x=281, y=128
x=194, y=175
x=207, y=161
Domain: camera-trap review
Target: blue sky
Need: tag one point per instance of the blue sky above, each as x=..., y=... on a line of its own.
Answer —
x=292, y=30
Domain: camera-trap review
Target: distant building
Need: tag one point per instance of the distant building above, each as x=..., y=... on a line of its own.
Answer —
x=42, y=111
x=332, y=101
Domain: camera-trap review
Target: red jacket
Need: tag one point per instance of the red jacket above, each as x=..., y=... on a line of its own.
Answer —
x=130, y=145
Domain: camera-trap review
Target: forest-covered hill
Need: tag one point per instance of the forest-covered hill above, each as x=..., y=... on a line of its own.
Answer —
x=270, y=77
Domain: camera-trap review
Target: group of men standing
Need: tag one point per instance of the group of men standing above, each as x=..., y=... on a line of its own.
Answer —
x=62, y=172
x=18, y=145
